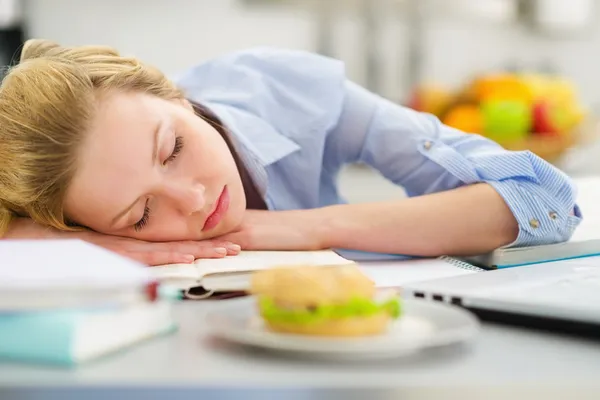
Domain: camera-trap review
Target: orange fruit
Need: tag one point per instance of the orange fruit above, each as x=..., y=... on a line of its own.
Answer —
x=466, y=117
x=502, y=87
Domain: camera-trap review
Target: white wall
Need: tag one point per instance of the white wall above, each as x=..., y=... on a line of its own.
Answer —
x=171, y=34
x=177, y=33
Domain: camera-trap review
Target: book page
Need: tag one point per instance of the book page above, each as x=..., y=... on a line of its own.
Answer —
x=246, y=261
x=257, y=260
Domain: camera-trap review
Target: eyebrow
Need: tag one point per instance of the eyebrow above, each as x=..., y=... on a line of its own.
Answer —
x=155, y=141
x=122, y=213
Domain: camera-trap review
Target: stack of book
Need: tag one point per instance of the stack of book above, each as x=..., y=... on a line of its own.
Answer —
x=68, y=301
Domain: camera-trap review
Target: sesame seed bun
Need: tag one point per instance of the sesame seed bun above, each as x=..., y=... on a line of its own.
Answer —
x=304, y=286
x=322, y=301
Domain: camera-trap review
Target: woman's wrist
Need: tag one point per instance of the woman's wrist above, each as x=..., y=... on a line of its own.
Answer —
x=333, y=225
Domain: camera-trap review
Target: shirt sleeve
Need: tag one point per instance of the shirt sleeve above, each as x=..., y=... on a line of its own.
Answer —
x=415, y=150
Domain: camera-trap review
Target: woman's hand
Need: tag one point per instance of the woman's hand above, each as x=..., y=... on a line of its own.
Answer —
x=150, y=253
x=279, y=230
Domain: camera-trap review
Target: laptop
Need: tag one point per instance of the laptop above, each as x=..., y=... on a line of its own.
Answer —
x=560, y=296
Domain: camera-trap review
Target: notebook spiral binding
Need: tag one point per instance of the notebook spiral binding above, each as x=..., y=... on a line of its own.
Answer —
x=461, y=264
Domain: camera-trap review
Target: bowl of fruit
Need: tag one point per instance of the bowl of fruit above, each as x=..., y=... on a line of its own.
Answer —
x=536, y=112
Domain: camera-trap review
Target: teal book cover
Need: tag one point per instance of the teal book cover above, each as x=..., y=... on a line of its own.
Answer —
x=70, y=337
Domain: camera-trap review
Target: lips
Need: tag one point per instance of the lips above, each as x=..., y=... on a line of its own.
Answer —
x=219, y=212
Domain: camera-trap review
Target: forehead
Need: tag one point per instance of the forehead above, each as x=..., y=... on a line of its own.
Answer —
x=116, y=154
x=122, y=131
x=121, y=119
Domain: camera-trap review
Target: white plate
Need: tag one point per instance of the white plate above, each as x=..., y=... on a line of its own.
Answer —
x=423, y=324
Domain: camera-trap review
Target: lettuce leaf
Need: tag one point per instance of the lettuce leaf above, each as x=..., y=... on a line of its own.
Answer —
x=358, y=307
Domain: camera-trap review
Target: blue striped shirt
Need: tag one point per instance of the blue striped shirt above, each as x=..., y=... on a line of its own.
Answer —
x=297, y=120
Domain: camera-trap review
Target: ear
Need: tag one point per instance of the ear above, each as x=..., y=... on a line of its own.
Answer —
x=187, y=104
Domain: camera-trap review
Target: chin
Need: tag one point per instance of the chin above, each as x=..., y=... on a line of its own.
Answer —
x=234, y=219
x=230, y=223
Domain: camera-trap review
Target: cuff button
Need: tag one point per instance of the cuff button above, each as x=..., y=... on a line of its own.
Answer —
x=553, y=215
x=534, y=223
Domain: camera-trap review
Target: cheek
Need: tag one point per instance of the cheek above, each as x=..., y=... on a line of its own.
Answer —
x=95, y=199
x=210, y=157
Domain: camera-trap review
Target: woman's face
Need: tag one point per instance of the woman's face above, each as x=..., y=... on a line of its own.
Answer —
x=151, y=169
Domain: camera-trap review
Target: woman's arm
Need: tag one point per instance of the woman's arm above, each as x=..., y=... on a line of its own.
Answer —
x=465, y=221
x=430, y=225
x=459, y=183
x=149, y=253
x=467, y=195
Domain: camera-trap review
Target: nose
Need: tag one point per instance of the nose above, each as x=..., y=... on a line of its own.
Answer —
x=187, y=198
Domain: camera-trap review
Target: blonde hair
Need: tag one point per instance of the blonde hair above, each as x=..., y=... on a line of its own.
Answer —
x=47, y=103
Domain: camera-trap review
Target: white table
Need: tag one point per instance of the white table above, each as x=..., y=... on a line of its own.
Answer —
x=504, y=363
x=190, y=363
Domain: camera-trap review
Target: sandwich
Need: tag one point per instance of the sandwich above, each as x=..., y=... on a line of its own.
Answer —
x=322, y=301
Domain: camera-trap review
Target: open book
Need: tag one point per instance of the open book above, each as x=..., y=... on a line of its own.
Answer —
x=232, y=274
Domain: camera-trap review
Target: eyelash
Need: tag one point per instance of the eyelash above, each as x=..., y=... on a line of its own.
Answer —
x=138, y=226
x=144, y=220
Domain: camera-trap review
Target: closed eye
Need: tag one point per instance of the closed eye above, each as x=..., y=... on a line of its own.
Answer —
x=138, y=226
x=176, y=149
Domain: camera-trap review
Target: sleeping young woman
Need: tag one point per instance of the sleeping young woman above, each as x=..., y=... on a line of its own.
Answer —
x=244, y=151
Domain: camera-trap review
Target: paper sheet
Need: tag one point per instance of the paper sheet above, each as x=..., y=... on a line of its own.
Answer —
x=398, y=273
x=588, y=198
x=63, y=264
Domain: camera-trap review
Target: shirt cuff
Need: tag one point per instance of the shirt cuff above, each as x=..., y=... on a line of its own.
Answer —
x=541, y=219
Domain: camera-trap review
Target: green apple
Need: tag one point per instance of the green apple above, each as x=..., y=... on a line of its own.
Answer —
x=506, y=120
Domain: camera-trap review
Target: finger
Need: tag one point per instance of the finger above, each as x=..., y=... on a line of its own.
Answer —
x=204, y=248
x=154, y=253
x=171, y=257
x=206, y=251
x=211, y=252
x=153, y=258
x=237, y=237
x=232, y=248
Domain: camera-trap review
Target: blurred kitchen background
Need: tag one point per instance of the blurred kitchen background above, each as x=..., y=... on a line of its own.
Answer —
x=524, y=72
